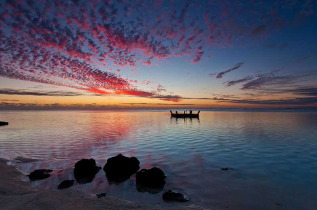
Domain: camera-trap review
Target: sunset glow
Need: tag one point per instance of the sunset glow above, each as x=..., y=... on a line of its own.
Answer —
x=151, y=54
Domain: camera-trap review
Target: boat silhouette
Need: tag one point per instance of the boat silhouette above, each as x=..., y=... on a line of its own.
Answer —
x=185, y=114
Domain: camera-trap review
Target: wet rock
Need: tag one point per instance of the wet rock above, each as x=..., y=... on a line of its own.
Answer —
x=120, y=168
x=39, y=174
x=3, y=123
x=226, y=169
x=150, y=180
x=85, y=170
x=101, y=195
x=174, y=196
x=66, y=184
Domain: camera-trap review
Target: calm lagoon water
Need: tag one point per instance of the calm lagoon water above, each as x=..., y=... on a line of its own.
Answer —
x=273, y=155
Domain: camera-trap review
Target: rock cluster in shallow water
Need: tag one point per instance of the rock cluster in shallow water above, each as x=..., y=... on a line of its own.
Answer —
x=118, y=169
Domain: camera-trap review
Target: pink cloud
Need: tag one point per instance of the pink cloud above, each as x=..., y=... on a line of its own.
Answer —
x=73, y=44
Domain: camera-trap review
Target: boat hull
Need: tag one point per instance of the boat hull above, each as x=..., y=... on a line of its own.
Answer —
x=185, y=115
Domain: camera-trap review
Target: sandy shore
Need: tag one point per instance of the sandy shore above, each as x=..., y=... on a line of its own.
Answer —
x=18, y=194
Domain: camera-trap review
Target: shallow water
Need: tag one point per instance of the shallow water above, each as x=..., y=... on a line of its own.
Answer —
x=272, y=156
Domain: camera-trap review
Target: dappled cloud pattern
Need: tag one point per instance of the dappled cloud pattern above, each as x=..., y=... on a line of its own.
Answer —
x=76, y=43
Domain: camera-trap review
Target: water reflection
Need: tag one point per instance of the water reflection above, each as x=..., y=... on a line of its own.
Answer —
x=184, y=120
x=273, y=154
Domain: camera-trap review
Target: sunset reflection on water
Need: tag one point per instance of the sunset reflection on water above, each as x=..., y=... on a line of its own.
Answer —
x=272, y=154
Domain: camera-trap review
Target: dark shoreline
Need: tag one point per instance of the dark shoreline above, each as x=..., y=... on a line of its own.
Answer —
x=18, y=194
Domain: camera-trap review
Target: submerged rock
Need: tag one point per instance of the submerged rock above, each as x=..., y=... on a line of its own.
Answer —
x=120, y=168
x=226, y=169
x=66, y=184
x=85, y=170
x=39, y=174
x=174, y=196
x=3, y=123
x=101, y=195
x=150, y=180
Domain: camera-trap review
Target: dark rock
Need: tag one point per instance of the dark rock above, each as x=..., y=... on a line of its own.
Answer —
x=3, y=123
x=85, y=170
x=39, y=174
x=101, y=195
x=120, y=168
x=150, y=180
x=226, y=169
x=174, y=196
x=66, y=184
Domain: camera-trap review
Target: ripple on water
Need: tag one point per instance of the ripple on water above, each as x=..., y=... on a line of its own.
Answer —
x=272, y=155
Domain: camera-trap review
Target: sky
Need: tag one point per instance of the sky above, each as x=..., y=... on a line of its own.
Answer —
x=157, y=54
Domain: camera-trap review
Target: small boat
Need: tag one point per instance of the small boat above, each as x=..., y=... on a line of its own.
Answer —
x=184, y=115
x=3, y=123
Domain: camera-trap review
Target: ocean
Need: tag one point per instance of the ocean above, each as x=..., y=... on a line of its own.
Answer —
x=271, y=157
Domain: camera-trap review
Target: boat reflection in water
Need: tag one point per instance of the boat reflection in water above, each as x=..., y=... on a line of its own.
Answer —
x=185, y=114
